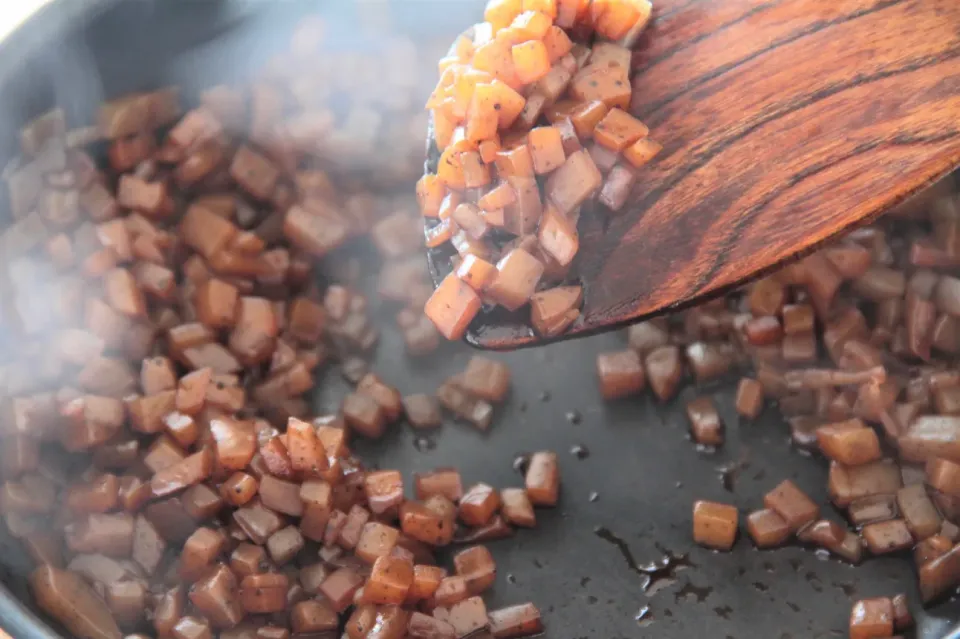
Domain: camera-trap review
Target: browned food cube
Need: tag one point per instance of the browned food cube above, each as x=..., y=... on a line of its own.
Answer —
x=918, y=511
x=477, y=567
x=199, y=552
x=238, y=489
x=213, y=356
x=281, y=496
x=123, y=293
x=390, y=579
x=148, y=545
x=944, y=475
x=426, y=525
x=248, y=559
x=364, y=415
x=714, y=525
x=902, y=619
x=847, y=483
x=307, y=454
x=767, y=528
x=275, y=457
x=873, y=508
x=376, y=540
x=518, y=273
x=485, y=378
x=313, y=617
x=340, y=587
x=621, y=374
x=388, y=397
x=871, y=618
x=258, y=522
x=443, y=481
x=664, y=371
x=887, y=536
x=749, y=401
x=350, y=532
x=264, y=593
x=851, y=442
x=422, y=411
x=156, y=375
x=522, y=620
x=542, y=480
x=426, y=580
x=127, y=601
x=253, y=338
x=216, y=303
x=235, y=442
x=421, y=626
x=705, y=424
x=254, y=173
x=792, y=504
x=192, y=391
x=384, y=490
x=317, y=233
x=306, y=320
x=216, y=597
x=479, y=504
x=517, y=508
x=284, y=544
x=206, y=232
x=466, y=617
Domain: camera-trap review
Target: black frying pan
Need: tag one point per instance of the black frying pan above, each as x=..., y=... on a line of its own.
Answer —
x=584, y=564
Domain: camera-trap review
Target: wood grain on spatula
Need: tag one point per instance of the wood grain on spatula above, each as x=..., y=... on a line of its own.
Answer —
x=783, y=123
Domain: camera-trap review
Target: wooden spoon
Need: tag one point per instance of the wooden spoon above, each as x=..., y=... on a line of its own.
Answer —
x=783, y=122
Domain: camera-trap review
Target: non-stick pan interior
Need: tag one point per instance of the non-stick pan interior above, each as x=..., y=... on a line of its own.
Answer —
x=627, y=494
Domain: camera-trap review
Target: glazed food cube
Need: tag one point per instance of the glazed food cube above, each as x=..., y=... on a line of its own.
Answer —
x=714, y=525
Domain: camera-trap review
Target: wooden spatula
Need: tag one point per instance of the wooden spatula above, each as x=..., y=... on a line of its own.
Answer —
x=784, y=122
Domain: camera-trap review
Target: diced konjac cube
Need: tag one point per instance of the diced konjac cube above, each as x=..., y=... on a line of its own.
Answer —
x=364, y=414
x=847, y=483
x=574, y=182
x=206, y=232
x=350, y=532
x=264, y=593
x=518, y=273
x=944, y=475
x=422, y=411
x=714, y=525
x=453, y=306
x=254, y=173
x=216, y=597
x=235, y=442
x=479, y=504
x=284, y=544
x=553, y=311
x=216, y=303
x=253, y=338
x=749, y=400
x=257, y=521
x=123, y=293
x=444, y=482
x=466, y=617
x=871, y=618
x=621, y=374
x=618, y=130
x=386, y=396
x=376, y=540
x=705, y=422
x=313, y=617
x=517, y=508
x=851, y=442
x=281, y=496
x=340, y=587
x=918, y=511
x=931, y=436
x=887, y=536
x=390, y=579
x=485, y=378
x=199, y=552
x=477, y=567
x=521, y=620
x=192, y=470
x=192, y=391
x=767, y=528
x=543, y=479
x=314, y=232
x=421, y=626
x=384, y=490
x=664, y=371
x=423, y=524
x=792, y=504
x=307, y=454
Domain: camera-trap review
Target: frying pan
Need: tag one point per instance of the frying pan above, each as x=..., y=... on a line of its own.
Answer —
x=626, y=498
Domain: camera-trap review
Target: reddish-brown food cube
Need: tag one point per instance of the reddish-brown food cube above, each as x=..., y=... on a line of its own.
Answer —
x=253, y=338
x=479, y=504
x=477, y=567
x=123, y=293
x=792, y=504
x=944, y=475
x=216, y=597
x=216, y=303
x=749, y=401
x=307, y=454
x=621, y=374
x=705, y=422
x=238, y=489
x=918, y=511
x=364, y=415
x=426, y=525
x=767, y=528
x=871, y=618
x=315, y=232
x=284, y=544
x=543, y=479
x=422, y=411
x=306, y=320
x=517, y=508
x=314, y=617
x=387, y=396
x=235, y=442
x=264, y=593
x=518, y=273
x=466, y=617
x=157, y=375
x=887, y=536
x=426, y=580
x=522, y=620
x=452, y=307
x=714, y=525
x=664, y=371
x=376, y=540
x=199, y=552
x=254, y=173
x=443, y=481
x=192, y=391
x=340, y=587
x=851, y=442
x=384, y=490
x=389, y=581
x=486, y=378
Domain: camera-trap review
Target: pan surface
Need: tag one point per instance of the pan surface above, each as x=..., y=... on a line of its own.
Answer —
x=627, y=493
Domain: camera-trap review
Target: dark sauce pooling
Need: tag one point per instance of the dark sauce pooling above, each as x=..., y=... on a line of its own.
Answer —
x=656, y=574
x=579, y=451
